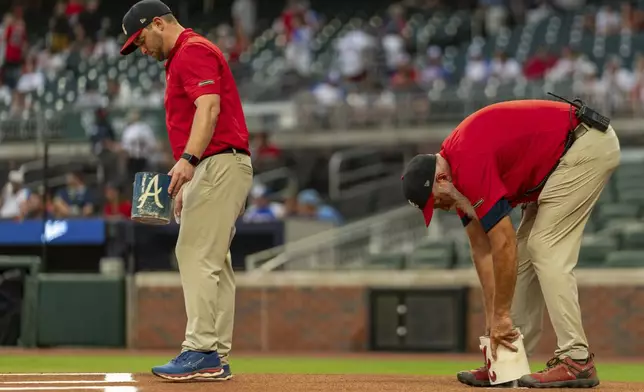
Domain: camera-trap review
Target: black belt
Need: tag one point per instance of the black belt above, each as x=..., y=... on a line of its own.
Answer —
x=230, y=150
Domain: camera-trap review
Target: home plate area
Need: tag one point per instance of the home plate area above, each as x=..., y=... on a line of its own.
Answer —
x=128, y=382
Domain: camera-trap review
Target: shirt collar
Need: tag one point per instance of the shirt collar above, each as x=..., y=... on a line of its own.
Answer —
x=180, y=40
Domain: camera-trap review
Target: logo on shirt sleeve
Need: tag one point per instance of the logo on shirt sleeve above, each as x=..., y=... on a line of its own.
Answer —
x=206, y=82
x=478, y=203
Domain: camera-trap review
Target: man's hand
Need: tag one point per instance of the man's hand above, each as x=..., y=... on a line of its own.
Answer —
x=178, y=206
x=502, y=333
x=181, y=173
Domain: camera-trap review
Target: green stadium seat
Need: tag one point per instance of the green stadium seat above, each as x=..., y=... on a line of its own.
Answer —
x=625, y=259
x=618, y=224
x=463, y=257
x=609, y=211
x=440, y=255
x=385, y=261
x=594, y=250
x=633, y=238
x=634, y=195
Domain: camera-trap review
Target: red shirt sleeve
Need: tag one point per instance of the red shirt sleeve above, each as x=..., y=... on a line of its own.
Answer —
x=479, y=180
x=199, y=70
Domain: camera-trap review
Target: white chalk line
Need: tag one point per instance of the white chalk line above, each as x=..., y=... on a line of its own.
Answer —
x=108, y=378
x=54, y=374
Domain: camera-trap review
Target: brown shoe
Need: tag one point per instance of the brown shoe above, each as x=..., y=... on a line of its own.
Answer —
x=564, y=373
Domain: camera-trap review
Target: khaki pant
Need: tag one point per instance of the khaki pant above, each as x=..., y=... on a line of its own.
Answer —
x=549, y=238
x=212, y=202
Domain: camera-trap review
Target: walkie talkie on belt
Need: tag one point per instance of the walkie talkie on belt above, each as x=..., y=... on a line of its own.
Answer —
x=587, y=115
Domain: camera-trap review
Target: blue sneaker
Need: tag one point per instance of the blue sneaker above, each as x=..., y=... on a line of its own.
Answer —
x=189, y=365
x=226, y=375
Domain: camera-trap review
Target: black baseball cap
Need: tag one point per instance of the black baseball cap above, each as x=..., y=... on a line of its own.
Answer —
x=418, y=181
x=139, y=16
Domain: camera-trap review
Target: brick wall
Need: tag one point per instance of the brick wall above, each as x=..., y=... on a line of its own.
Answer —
x=335, y=319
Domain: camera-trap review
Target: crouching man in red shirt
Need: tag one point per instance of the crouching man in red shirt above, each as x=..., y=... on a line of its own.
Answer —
x=210, y=180
x=535, y=153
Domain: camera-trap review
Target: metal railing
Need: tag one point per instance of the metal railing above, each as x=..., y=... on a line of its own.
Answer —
x=374, y=112
x=367, y=167
x=348, y=246
x=282, y=180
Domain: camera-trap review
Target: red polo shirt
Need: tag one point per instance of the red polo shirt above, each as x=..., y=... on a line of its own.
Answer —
x=195, y=67
x=505, y=149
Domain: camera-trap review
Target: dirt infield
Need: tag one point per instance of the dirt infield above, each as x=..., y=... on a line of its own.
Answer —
x=125, y=382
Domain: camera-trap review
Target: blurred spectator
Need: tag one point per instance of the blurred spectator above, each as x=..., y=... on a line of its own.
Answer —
x=537, y=66
x=5, y=94
x=393, y=45
x=265, y=155
x=298, y=49
x=607, y=20
x=116, y=206
x=495, y=14
x=14, y=42
x=223, y=36
x=104, y=145
x=31, y=79
x=105, y=47
x=90, y=20
x=261, y=209
x=60, y=29
x=74, y=9
x=571, y=65
x=35, y=208
x=539, y=10
x=310, y=205
x=75, y=199
x=433, y=70
x=139, y=142
x=505, y=69
x=477, y=68
x=396, y=21
x=616, y=83
x=91, y=98
x=14, y=196
x=244, y=14
x=354, y=52
x=328, y=95
x=405, y=79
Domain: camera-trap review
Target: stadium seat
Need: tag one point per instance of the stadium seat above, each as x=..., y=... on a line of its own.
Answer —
x=386, y=261
x=463, y=257
x=440, y=255
x=594, y=250
x=610, y=211
x=625, y=259
x=633, y=238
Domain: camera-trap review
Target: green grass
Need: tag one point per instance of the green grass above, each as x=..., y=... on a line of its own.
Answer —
x=302, y=365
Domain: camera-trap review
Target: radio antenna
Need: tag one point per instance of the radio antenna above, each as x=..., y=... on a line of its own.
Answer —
x=576, y=103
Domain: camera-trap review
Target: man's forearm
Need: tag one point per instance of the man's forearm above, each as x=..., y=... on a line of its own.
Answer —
x=485, y=270
x=505, y=275
x=203, y=127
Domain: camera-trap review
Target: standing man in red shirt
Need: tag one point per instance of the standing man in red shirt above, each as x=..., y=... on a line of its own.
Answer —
x=539, y=154
x=210, y=180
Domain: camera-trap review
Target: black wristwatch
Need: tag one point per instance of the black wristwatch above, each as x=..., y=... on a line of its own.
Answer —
x=193, y=160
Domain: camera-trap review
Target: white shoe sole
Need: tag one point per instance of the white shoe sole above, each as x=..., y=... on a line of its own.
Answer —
x=207, y=375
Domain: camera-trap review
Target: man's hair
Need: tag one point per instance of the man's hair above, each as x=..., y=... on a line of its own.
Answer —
x=169, y=18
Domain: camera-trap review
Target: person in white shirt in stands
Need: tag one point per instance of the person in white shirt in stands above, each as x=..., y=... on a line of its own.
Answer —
x=505, y=69
x=13, y=199
x=139, y=142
